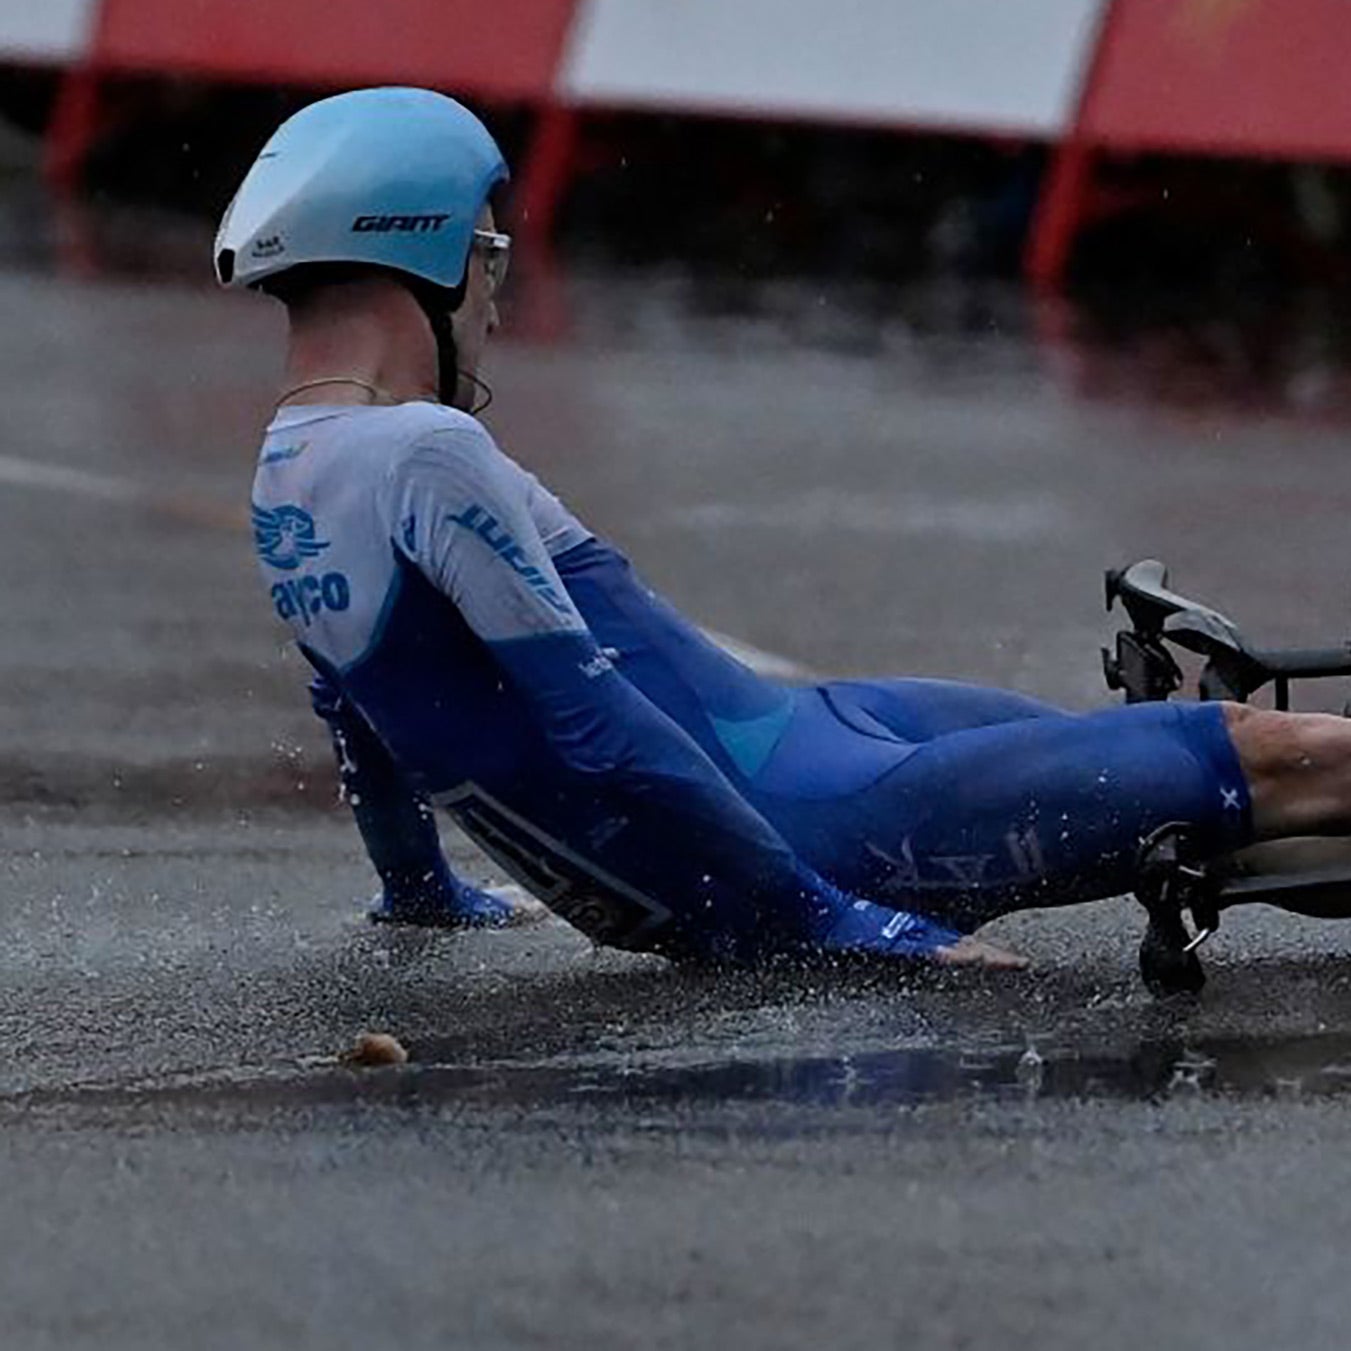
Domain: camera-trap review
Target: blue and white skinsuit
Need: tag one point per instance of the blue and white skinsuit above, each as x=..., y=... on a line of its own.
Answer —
x=479, y=648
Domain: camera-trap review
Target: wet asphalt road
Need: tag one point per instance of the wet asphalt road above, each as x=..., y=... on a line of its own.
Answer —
x=591, y=1150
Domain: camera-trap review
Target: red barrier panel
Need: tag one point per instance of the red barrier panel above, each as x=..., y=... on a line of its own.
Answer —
x=504, y=50
x=1233, y=77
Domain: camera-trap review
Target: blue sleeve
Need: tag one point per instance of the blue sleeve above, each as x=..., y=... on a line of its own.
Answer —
x=397, y=827
x=656, y=805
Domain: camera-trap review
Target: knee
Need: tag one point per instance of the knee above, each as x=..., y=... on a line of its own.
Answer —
x=1295, y=764
x=1272, y=743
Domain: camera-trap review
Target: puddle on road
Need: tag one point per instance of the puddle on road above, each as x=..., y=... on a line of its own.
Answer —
x=1316, y=1066
x=1287, y=1068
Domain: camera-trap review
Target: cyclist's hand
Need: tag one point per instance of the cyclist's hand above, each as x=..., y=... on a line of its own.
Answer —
x=975, y=952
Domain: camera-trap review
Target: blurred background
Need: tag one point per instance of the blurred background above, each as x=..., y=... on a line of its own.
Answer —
x=1163, y=159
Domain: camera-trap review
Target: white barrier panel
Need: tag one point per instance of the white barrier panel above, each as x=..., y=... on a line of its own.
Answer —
x=983, y=65
x=56, y=31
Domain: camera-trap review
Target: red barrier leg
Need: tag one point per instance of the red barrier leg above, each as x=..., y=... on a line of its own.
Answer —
x=541, y=313
x=1059, y=214
x=72, y=130
x=548, y=168
x=1065, y=198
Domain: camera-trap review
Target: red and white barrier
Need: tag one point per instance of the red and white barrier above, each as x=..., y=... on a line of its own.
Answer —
x=1238, y=77
x=986, y=66
x=46, y=32
x=506, y=51
x=1245, y=77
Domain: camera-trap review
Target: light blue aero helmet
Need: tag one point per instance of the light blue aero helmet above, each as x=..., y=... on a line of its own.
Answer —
x=390, y=178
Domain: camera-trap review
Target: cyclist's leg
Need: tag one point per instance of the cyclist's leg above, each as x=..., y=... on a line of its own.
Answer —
x=1041, y=811
x=1298, y=767
x=921, y=709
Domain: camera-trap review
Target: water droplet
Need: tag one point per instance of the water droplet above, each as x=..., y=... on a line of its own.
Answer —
x=1030, y=1071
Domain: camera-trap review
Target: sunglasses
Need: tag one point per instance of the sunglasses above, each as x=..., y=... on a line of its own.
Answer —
x=495, y=250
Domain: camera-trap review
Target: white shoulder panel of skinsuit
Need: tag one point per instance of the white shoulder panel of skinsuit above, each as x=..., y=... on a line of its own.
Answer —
x=341, y=493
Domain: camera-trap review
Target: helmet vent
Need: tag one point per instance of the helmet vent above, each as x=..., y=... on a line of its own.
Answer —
x=225, y=266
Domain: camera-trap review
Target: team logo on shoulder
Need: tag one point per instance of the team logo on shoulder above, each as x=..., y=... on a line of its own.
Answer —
x=286, y=536
x=487, y=528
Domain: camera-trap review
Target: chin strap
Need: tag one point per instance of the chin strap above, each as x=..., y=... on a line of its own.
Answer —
x=439, y=307
x=449, y=373
x=481, y=388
